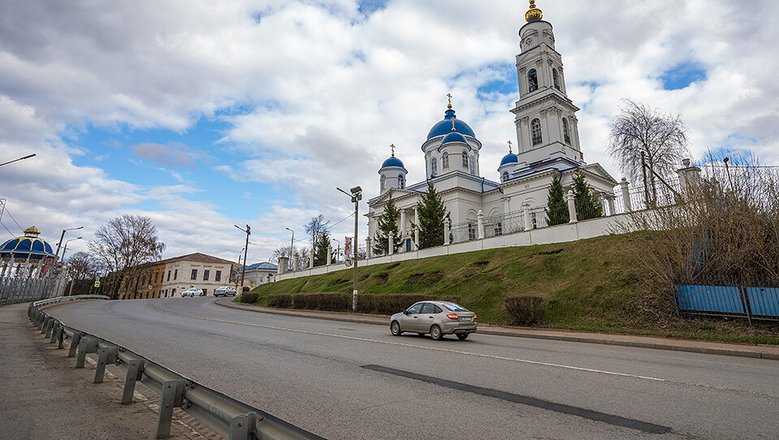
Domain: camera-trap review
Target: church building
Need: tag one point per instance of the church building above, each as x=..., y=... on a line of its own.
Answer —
x=547, y=145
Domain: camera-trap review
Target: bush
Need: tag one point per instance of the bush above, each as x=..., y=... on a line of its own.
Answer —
x=333, y=302
x=280, y=301
x=391, y=304
x=525, y=310
x=249, y=298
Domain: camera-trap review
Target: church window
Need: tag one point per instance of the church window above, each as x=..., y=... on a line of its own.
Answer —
x=498, y=228
x=471, y=232
x=383, y=182
x=566, y=132
x=535, y=131
x=556, y=79
x=401, y=181
x=534, y=220
x=472, y=164
x=465, y=159
x=505, y=177
x=532, y=80
x=433, y=167
x=445, y=161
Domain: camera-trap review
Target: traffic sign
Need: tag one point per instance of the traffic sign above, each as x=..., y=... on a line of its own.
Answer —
x=97, y=284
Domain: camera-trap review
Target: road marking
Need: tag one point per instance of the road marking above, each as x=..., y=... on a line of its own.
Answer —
x=528, y=400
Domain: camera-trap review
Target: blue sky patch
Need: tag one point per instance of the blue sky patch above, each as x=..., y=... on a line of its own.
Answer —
x=682, y=75
x=368, y=7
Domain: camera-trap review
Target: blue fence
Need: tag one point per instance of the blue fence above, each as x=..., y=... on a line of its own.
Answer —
x=743, y=302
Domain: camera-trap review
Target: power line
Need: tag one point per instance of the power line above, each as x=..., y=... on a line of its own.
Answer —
x=12, y=217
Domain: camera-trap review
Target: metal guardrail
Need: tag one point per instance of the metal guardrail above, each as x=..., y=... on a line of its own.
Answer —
x=226, y=416
x=752, y=303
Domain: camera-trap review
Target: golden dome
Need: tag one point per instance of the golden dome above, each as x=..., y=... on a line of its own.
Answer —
x=32, y=230
x=533, y=14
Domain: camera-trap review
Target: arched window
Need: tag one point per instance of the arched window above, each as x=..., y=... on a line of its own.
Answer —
x=472, y=164
x=433, y=167
x=383, y=182
x=505, y=177
x=566, y=132
x=535, y=131
x=445, y=161
x=401, y=181
x=556, y=79
x=532, y=80
x=465, y=159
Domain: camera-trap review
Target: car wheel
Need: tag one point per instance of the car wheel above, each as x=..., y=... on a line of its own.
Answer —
x=462, y=336
x=395, y=328
x=436, y=333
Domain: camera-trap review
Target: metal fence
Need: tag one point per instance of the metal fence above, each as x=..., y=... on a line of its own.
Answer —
x=752, y=303
x=26, y=289
x=226, y=416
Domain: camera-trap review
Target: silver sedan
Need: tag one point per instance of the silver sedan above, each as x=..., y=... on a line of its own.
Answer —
x=437, y=318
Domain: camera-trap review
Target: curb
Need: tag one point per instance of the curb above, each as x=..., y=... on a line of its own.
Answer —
x=749, y=351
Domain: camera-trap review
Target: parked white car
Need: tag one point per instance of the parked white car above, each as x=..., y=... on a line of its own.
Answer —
x=224, y=291
x=192, y=291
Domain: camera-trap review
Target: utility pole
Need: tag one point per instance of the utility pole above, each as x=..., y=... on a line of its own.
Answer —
x=248, y=232
x=356, y=195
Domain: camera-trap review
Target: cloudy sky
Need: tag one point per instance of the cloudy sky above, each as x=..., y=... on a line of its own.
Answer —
x=202, y=115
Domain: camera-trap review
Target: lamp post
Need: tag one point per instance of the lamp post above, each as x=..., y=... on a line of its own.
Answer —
x=338, y=251
x=66, y=246
x=17, y=160
x=56, y=255
x=291, y=245
x=356, y=195
x=248, y=232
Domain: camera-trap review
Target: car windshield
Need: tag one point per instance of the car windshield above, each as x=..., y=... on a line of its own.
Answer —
x=454, y=307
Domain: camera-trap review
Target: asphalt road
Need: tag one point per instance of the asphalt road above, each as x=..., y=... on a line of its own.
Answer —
x=356, y=381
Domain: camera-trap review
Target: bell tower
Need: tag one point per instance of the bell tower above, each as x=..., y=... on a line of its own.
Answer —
x=545, y=118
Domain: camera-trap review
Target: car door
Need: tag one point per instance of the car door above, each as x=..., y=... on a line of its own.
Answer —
x=427, y=316
x=410, y=318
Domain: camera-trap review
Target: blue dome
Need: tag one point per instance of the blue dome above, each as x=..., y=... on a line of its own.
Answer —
x=26, y=247
x=443, y=127
x=392, y=162
x=453, y=136
x=509, y=158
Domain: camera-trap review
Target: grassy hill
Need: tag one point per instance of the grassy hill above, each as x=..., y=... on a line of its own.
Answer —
x=597, y=285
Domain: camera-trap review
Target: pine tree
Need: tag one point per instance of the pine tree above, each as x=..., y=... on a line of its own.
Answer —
x=586, y=204
x=431, y=214
x=321, y=249
x=387, y=226
x=556, y=206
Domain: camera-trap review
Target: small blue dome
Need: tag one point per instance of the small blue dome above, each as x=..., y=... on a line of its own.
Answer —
x=443, y=127
x=453, y=136
x=392, y=162
x=27, y=247
x=509, y=158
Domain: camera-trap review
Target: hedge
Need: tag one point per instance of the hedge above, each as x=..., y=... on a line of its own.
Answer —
x=525, y=310
x=249, y=298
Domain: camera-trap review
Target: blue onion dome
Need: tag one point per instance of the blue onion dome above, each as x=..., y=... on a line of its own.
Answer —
x=509, y=158
x=393, y=161
x=453, y=136
x=26, y=247
x=441, y=128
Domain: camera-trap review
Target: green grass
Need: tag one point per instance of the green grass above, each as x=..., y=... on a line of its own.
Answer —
x=592, y=285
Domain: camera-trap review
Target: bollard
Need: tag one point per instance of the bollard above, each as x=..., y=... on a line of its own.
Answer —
x=61, y=337
x=44, y=324
x=134, y=373
x=74, y=343
x=54, y=332
x=88, y=344
x=243, y=426
x=172, y=395
x=105, y=355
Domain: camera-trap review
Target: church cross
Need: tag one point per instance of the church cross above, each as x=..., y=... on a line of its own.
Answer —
x=509, y=146
x=449, y=95
x=392, y=147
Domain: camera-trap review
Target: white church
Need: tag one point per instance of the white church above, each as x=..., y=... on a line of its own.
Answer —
x=547, y=145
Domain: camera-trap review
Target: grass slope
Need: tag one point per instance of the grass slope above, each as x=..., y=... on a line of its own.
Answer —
x=597, y=285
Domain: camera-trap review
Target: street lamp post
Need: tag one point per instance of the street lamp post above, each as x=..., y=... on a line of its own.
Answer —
x=338, y=251
x=291, y=246
x=64, y=250
x=356, y=195
x=17, y=160
x=56, y=255
x=248, y=232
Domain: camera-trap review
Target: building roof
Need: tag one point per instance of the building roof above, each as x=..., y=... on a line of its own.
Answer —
x=28, y=246
x=392, y=162
x=262, y=266
x=443, y=127
x=197, y=257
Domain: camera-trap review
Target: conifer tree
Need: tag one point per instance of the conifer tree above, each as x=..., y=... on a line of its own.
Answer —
x=387, y=226
x=431, y=213
x=556, y=206
x=321, y=249
x=586, y=204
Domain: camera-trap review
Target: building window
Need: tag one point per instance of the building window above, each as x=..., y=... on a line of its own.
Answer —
x=471, y=231
x=556, y=79
x=532, y=80
x=533, y=220
x=218, y=276
x=206, y=273
x=168, y=279
x=535, y=130
x=445, y=161
x=194, y=274
x=175, y=274
x=566, y=132
x=401, y=181
x=433, y=167
x=505, y=177
x=472, y=164
x=156, y=275
x=499, y=228
x=465, y=159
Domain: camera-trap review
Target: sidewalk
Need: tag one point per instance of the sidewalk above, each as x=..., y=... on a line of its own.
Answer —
x=754, y=351
x=44, y=396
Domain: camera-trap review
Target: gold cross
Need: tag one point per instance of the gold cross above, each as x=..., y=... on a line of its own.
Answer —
x=449, y=95
x=392, y=147
x=509, y=146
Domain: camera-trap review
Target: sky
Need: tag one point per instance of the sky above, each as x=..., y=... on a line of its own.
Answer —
x=203, y=115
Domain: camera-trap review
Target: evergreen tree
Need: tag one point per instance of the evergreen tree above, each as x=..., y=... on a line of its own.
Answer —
x=556, y=206
x=387, y=226
x=321, y=248
x=586, y=204
x=431, y=213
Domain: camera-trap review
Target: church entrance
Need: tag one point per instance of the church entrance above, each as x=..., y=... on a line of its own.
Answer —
x=408, y=245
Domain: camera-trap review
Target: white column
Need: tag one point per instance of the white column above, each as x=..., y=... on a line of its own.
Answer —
x=402, y=223
x=611, y=205
x=311, y=258
x=391, y=246
x=625, y=195
x=571, y=206
x=329, y=255
x=689, y=177
x=416, y=228
x=506, y=205
x=526, y=216
x=447, y=227
x=480, y=224
x=368, y=248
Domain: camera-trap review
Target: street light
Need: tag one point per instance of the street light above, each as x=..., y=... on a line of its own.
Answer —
x=248, y=232
x=66, y=246
x=356, y=195
x=338, y=251
x=291, y=246
x=56, y=255
x=17, y=160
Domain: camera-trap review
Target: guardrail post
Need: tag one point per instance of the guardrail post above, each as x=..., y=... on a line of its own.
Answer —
x=61, y=337
x=54, y=330
x=44, y=324
x=74, y=343
x=105, y=355
x=49, y=327
x=172, y=395
x=243, y=427
x=134, y=372
x=87, y=344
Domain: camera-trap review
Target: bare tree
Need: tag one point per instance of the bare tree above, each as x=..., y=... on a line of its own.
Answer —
x=123, y=243
x=647, y=143
x=82, y=266
x=318, y=225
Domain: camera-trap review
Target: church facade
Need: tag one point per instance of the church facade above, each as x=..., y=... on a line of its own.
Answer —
x=547, y=145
